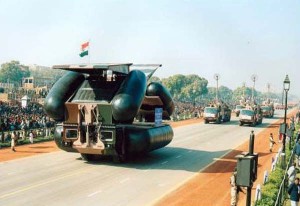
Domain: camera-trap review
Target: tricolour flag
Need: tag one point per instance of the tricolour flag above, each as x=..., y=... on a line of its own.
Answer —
x=84, y=49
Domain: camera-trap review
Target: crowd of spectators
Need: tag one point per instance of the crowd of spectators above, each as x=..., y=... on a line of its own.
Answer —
x=187, y=110
x=15, y=118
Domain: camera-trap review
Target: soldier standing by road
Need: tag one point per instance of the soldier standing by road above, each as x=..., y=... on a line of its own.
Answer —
x=233, y=189
x=31, y=137
x=13, y=141
x=272, y=142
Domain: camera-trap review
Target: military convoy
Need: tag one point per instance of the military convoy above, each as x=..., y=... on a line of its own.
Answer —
x=94, y=106
x=217, y=112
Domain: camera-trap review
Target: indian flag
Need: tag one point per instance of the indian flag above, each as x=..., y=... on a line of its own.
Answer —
x=84, y=49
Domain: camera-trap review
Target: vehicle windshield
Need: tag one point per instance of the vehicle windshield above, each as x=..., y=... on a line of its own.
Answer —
x=266, y=108
x=211, y=110
x=239, y=107
x=247, y=112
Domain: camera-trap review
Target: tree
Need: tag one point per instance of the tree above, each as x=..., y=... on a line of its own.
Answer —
x=225, y=93
x=13, y=72
x=239, y=92
x=186, y=87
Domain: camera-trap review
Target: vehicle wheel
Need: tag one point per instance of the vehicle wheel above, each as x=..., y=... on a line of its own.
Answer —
x=253, y=124
x=90, y=157
x=241, y=123
x=205, y=121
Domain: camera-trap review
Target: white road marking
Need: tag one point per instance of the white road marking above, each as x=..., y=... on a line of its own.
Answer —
x=124, y=180
x=94, y=193
x=164, y=162
x=178, y=156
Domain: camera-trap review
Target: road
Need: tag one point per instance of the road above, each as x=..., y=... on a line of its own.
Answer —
x=61, y=178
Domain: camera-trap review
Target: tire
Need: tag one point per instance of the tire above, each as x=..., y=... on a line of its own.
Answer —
x=90, y=157
x=253, y=124
x=241, y=123
x=205, y=122
x=120, y=158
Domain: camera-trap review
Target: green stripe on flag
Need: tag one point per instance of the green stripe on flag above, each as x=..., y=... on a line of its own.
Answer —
x=84, y=53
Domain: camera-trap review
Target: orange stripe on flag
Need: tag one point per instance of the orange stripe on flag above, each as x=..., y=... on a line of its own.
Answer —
x=84, y=45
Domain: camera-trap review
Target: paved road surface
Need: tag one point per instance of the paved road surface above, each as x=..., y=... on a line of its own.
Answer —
x=62, y=178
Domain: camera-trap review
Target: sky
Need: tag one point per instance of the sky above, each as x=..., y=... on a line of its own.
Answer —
x=234, y=39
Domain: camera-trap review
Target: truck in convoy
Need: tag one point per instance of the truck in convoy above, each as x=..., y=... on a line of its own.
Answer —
x=95, y=105
x=237, y=109
x=251, y=115
x=267, y=108
x=217, y=112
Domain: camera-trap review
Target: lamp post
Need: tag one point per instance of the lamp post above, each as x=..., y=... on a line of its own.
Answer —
x=268, y=88
x=194, y=99
x=254, y=79
x=217, y=77
x=286, y=87
x=244, y=87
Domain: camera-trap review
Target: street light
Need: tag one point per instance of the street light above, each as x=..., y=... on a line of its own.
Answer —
x=268, y=88
x=194, y=99
x=244, y=87
x=254, y=79
x=286, y=88
x=217, y=77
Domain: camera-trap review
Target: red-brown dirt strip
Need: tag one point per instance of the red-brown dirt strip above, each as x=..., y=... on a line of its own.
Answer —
x=47, y=147
x=211, y=185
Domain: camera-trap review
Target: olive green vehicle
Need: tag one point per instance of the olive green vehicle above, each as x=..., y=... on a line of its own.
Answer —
x=217, y=112
x=95, y=107
x=251, y=116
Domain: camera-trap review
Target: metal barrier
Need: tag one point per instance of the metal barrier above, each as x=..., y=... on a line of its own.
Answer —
x=284, y=184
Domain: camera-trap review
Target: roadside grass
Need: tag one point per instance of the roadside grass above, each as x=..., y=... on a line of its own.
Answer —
x=270, y=190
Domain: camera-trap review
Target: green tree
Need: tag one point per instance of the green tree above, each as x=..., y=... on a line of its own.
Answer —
x=13, y=72
x=239, y=92
x=225, y=93
x=186, y=87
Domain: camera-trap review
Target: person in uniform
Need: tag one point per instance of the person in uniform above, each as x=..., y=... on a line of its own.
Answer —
x=272, y=142
x=13, y=141
x=233, y=189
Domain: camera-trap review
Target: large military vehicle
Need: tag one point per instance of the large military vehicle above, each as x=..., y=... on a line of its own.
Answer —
x=95, y=105
x=217, y=112
x=237, y=109
x=251, y=115
x=267, y=108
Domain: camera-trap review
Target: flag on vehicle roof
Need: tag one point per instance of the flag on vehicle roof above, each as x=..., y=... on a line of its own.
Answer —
x=84, y=49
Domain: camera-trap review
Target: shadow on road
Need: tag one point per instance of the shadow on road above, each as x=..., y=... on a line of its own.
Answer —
x=175, y=158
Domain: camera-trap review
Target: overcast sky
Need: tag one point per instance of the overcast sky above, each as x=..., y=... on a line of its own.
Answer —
x=232, y=38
